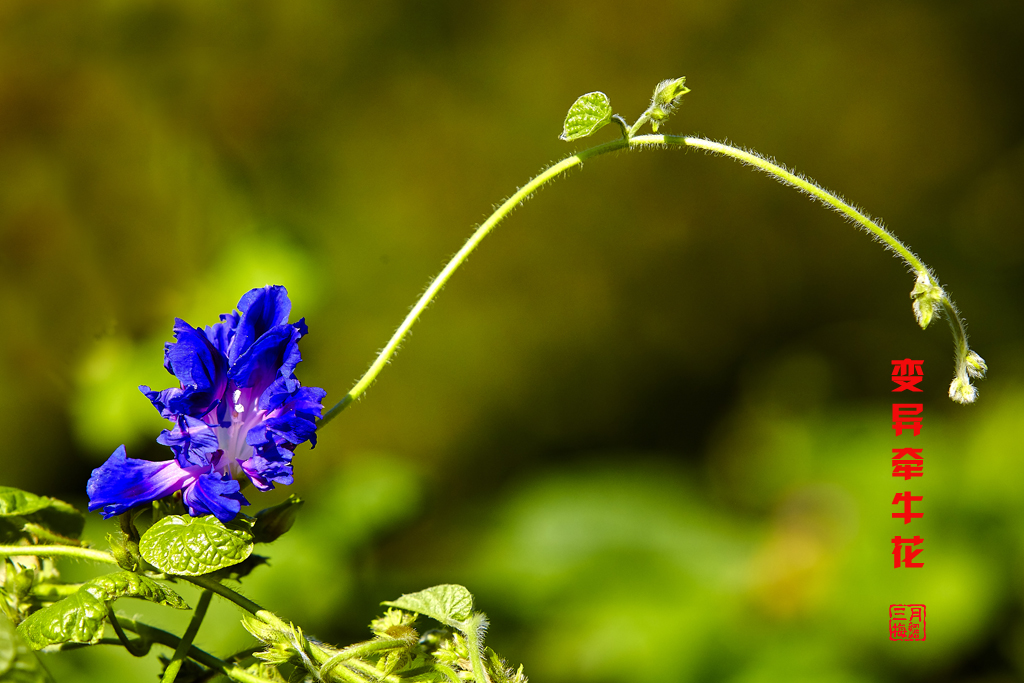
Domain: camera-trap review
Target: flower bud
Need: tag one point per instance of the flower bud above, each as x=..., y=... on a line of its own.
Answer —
x=975, y=365
x=395, y=623
x=284, y=642
x=22, y=580
x=667, y=92
x=927, y=298
x=666, y=98
x=267, y=633
x=273, y=522
x=118, y=548
x=962, y=391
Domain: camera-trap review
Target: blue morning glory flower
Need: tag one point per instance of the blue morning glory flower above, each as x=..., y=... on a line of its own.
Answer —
x=238, y=412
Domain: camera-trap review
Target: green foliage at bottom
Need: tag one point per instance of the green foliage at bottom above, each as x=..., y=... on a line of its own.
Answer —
x=18, y=664
x=80, y=618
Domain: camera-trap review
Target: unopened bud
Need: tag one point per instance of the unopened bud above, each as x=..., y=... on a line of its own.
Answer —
x=962, y=391
x=22, y=581
x=665, y=100
x=273, y=522
x=284, y=641
x=267, y=633
x=393, y=622
x=125, y=559
x=975, y=365
x=667, y=92
x=927, y=298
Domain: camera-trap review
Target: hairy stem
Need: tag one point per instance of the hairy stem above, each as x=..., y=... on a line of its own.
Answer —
x=631, y=141
x=474, y=630
x=460, y=257
x=57, y=551
x=808, y=186
x=220, y=589
x=361, y=650
x=371, y=672
x=623, y=126
x=44, y=534
x=139, y=648
x=639, y=123
x=927, y=291
x=162, y=637
x=181, y=651
x=343, y=674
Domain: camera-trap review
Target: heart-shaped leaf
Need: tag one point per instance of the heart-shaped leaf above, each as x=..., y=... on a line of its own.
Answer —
x=449, y=603
x=193, y=546
x=587, y=114
x=79, y=618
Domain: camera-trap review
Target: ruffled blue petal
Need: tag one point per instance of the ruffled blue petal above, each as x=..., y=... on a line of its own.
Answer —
x=199, y=366
x=193, y=441
x=268, y=466
x=280, y=391
x=308, y=402
x=258, y=436
x=122, y=483
x=292, y=429
x=221, y=334
x=262, y=309
x=274, y=354
x=161, y=399
x=288, y=390
x=214, y=494
x=297, y=409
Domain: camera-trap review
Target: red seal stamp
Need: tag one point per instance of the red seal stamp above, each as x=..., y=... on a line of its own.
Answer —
x=906, y=622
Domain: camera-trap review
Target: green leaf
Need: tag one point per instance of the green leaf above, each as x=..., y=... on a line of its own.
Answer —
x=586, y=116
x=240, y=570
x=18, y=664
x=193, y=546
x=449, y=603
x=17, y=502
x=79, y=618
x=60, y=517
x=17, y=507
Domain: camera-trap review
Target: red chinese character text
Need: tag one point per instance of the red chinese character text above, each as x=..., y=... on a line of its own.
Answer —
x=907, y=499
x=908, y=553
x=907, y=468
x=907, y=374
x=903, y=417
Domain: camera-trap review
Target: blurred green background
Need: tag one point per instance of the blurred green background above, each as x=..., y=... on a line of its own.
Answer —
x=647, y=424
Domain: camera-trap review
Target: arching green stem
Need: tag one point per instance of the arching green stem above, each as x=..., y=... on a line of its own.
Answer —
x=929, y=297
x=181, y=651
x=135, y=649
x=808, y=186
x=437, y=283
x=57, y=551
x=220, y=589
x=361, y=650
x=162, y=637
